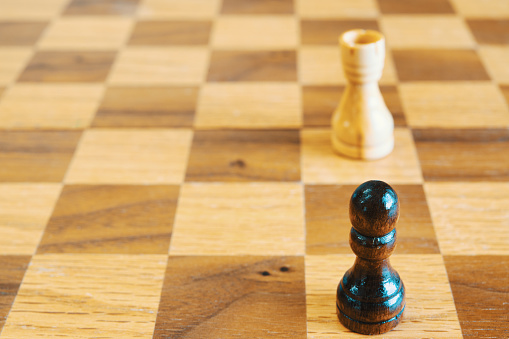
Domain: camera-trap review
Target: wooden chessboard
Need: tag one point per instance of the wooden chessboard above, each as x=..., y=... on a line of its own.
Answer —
x=166, y=169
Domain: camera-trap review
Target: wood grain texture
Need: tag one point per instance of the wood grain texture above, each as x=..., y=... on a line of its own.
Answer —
x=13, y=10
x=505, y=93
x=257, y=7
x=31, y=156
x=327, y=32
x=413, y=32
x=82, y=296
x=454, y=105
x=490, y=31
x=147, y=106
x=157, y=66
x=318, y=104
x=24, y=33
x=48, y=66
x=130, y=156
x=328, y=225
x=179, y=9
x=320, y=165
x=231, y=297
x=86, y=33
x=101, y=7
x=249, y=105
x=12, y=62
x=438, y=65
x=329, y=9
x=495, y=59
x=157, y=33
x=111, y=219
x=253, y=66
x=476, y=9
x=255, y=32
x=415, y=7
x=480, y=288
x=50, y=106
x=24, y=211
x=460, y=210
x=11, y=274
x=244, y=156
x=239, y=219
x=463, y=154
x=430, y=310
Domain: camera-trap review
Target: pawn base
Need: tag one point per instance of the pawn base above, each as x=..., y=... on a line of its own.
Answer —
x=369, y=328
x=363, y=152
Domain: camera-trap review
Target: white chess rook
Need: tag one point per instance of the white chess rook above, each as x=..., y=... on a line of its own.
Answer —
x=362, y=126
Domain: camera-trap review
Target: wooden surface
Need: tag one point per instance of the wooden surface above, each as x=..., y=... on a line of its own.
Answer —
x=166, y=168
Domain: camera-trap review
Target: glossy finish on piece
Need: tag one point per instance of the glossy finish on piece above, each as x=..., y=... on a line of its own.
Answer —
x=371, y=296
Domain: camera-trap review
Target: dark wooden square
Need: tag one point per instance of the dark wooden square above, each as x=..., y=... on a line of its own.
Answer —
x=490, y=31
x=327, y=32
x=101, y=7
x=147, y=107
x=253, y=66
x=111, y=219
x=36, y=155
x=480, y=286
x=51, y=66
x=463, y=154
x=156, y=33
x=244, y=156
x=233, y=296
x=439, y=65
x=328, y=223
x=14, y=33
x=12, y=272
x=257, y=7
x=415, y=7
x=319, y=103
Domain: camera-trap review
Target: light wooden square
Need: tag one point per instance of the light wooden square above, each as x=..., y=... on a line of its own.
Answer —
x=24, y=212
x=249, y=105
x=255, y=32
x=482, y=9
x=76, y=33
x=454, y=104
x=12, y=62
x=426, y=31
x=337, y=9
x=131, y=156
x=160, y=66
x=49, y=106
x=87, y=295
x=30, y=9
x=239, y=219
x=321, y=65
x=178, y=9
x=470, y=218
x=495, y=59
x=429, y=313
x=321, y=165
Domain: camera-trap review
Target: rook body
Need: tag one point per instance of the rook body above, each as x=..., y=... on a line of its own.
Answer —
x=362, y=126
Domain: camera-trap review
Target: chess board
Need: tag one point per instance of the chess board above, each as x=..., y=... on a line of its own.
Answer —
x=166, y=168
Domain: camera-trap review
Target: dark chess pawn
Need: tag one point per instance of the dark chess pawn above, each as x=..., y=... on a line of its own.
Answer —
x=371, y=296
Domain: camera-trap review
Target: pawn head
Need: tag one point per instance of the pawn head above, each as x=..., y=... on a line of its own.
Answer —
x=374, y=208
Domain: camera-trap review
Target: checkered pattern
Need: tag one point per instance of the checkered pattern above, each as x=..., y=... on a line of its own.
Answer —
x=166, y=167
